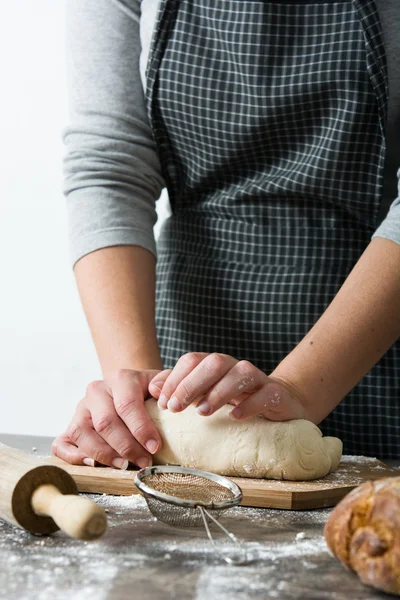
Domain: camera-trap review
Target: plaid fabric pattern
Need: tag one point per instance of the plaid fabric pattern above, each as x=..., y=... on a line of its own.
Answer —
x=269, y=121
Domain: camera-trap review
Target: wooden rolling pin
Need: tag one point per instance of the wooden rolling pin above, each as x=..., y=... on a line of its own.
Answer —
x=43, y=498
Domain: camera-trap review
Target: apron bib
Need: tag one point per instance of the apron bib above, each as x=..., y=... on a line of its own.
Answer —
x=269, y=120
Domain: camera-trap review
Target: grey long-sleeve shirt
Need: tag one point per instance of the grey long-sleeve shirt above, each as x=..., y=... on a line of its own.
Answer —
x=112, y=172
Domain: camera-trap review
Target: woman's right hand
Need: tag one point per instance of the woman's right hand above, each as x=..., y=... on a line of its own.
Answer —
x=111, y=425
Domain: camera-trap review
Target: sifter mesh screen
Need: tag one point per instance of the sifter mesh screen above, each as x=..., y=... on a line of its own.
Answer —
x=188, y=487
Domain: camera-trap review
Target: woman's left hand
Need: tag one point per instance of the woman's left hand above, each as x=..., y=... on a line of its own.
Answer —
x=212, y=380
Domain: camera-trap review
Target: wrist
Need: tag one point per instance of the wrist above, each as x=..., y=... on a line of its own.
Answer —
x=141, y=362
x=308, y=398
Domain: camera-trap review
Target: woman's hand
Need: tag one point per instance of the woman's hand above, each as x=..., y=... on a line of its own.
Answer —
x=111, y=425
x=212, y=380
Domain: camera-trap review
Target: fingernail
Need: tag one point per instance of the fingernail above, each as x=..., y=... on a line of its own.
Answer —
x=120, y=463
x=89, y=462
x=204, y=408
x=237, y=412
x=158, y=384
x=143, y=462
x=174, y=405
x=163, y=402
x=151, y=446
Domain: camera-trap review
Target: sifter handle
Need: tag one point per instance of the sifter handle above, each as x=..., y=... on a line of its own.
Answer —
x=77, y=516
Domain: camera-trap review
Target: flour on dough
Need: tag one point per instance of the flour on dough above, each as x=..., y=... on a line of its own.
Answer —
x=292, y=450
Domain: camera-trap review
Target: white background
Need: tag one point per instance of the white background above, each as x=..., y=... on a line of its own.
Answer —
x=46, y=354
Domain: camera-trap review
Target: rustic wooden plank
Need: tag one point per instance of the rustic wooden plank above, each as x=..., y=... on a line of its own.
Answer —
x=290, y=495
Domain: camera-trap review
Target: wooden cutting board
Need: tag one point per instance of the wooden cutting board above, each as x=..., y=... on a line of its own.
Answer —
x=291, y=495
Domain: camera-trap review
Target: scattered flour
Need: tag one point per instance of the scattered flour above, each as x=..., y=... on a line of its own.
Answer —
x=55, y=567
x=280, y=545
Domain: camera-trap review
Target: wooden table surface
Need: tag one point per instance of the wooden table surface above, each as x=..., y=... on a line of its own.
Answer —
x=140, y=558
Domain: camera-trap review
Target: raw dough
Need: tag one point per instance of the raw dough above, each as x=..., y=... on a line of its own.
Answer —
x=293, y=450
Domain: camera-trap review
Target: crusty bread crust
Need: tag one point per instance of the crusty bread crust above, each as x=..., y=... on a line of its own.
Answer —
x=363, y=532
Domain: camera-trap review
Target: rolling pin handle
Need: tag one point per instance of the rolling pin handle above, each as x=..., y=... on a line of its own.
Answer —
x=77, y=516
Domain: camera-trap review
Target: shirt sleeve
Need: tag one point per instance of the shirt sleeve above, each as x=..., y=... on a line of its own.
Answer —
x=112, y=175
x=390, y=226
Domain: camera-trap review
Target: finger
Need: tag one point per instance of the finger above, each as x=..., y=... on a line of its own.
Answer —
x=200, y=380
x=242, y=379
x=183, y=367
x=113, y=430
x=156, y=384
x=81, y=433
x=63, y=448
x=273, y=401
x=128, y=392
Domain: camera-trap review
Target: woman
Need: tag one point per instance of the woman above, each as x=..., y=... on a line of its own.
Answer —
x=278, y=273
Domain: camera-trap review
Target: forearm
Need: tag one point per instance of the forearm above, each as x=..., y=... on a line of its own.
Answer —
x=358, y=327
x=112, y=180
x=117, y=289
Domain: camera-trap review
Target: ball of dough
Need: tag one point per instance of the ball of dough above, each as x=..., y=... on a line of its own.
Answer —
x=292, y=450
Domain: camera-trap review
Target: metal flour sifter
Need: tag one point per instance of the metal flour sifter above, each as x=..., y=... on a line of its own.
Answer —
x=185, y=497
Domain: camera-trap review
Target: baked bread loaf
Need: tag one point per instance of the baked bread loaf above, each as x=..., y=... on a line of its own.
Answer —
x=363, y=532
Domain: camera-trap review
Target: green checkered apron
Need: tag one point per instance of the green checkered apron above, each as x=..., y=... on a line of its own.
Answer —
x=269, y=120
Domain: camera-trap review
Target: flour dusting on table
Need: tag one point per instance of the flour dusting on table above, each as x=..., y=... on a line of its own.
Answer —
x=43, y=565
x=283, y=548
